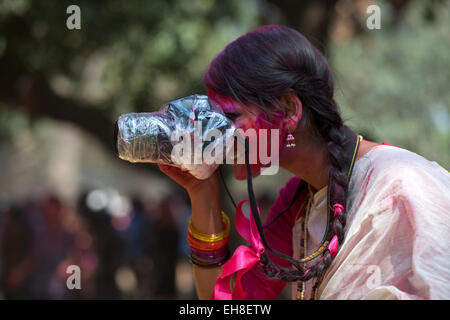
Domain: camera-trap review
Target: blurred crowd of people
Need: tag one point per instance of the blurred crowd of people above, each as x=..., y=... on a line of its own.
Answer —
x=134, y=255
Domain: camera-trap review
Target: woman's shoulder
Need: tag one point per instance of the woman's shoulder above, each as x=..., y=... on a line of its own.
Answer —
x=397, y=161
x=388, y=165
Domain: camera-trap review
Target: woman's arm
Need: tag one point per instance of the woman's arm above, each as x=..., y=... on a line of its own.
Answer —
x=206, y=218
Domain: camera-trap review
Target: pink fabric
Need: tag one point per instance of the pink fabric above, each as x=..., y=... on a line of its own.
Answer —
x=251, y=283
x=333, y=246
x=337, y=208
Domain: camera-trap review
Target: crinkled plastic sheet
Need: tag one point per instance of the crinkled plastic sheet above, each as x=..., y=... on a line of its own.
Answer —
x=146, y=137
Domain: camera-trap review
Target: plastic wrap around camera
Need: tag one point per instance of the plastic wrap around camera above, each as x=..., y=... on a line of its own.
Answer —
x=188, y=133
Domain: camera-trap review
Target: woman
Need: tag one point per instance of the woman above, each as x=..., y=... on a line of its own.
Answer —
x=358, y=220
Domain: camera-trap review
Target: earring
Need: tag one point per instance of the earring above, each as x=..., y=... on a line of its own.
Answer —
x=290, y=141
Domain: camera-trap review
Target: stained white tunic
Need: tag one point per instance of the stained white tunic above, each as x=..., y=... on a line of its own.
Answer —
x=397, y=234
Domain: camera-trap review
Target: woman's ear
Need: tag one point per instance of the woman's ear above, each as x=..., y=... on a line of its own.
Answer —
x=293, y=110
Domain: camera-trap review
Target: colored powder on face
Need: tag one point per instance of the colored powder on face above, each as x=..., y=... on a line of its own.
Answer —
x=254, y=119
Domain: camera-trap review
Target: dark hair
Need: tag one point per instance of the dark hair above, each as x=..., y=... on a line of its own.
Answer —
x=260, y=67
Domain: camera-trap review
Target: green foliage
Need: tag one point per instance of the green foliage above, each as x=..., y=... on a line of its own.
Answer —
x=393, y=84
x=128, y=55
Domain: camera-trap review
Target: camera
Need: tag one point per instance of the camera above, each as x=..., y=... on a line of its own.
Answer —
x=188, y=133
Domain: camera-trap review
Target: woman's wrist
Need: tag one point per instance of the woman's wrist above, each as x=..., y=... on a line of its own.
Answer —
x=206, y=208
x=204, y=188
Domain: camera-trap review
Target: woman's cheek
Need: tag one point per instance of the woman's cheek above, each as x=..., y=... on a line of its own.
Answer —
x=261, y=138
x=261, y=142
x=270, y=141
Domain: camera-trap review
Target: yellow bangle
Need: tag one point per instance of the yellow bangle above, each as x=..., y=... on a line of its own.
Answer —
x=213, y=237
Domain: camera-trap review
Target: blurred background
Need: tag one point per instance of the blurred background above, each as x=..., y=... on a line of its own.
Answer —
x=64, y=196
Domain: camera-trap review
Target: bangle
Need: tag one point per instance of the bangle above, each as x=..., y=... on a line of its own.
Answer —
x=210, y=259
x=214, y=237
x=215, y=252
x=210, y=263
x=209, y=250
x=206, y=246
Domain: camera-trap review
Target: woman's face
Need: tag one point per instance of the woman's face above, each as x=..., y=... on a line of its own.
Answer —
x=252, y=121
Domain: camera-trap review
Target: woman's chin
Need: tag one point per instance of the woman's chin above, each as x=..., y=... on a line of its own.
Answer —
x=240, y=171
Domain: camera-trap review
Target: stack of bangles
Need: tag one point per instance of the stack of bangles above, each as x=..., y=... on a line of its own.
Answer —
x=209, y=250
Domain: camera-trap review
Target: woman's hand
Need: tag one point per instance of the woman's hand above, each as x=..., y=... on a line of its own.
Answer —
x=189, y=182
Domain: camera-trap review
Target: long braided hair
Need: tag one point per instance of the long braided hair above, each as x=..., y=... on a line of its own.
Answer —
x=260, y=67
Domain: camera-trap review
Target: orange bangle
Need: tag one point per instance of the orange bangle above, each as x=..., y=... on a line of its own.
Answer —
x=206, y=246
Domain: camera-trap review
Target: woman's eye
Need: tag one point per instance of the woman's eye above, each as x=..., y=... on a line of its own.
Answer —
x=231, y=116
